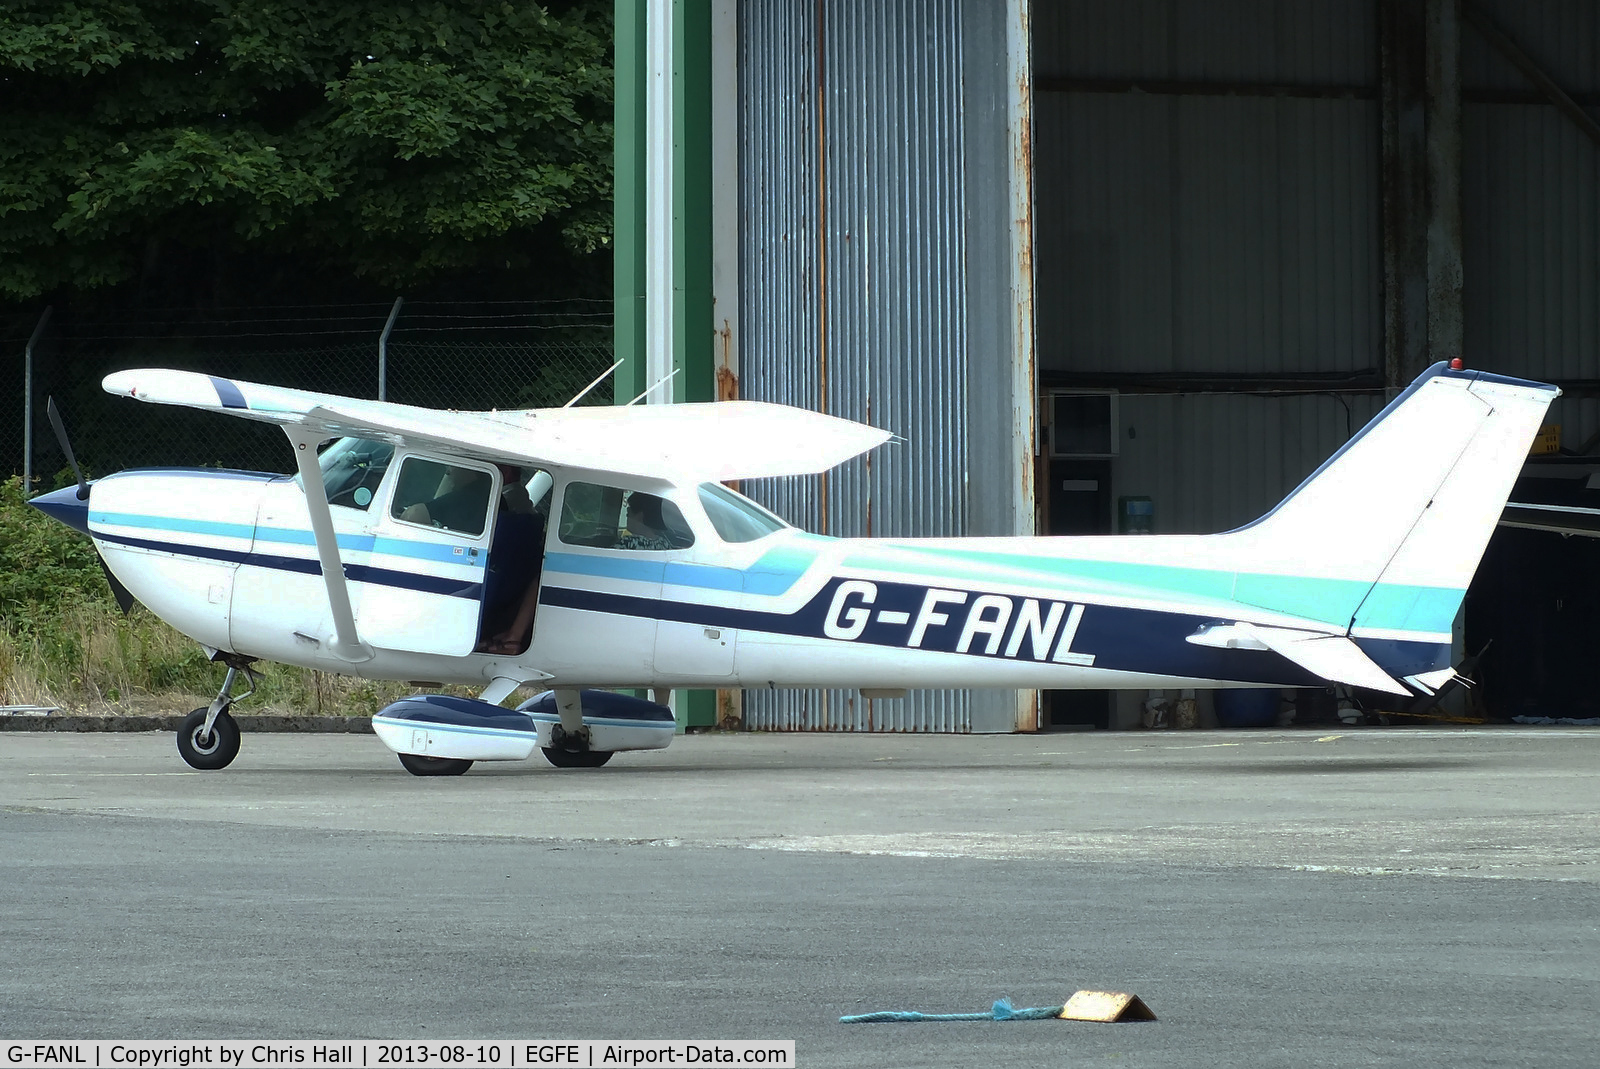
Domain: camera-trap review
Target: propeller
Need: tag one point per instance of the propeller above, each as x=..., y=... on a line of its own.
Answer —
x=123, y=596
x=66, y=446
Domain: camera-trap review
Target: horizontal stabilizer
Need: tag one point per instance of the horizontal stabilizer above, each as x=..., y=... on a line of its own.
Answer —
x=1557, y=519
x=1335, y=658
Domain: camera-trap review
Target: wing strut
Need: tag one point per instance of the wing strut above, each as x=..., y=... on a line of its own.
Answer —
x=347, y=645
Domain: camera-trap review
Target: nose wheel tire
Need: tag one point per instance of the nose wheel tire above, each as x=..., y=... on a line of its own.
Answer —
x=418, y=765
x=575, y=758
x=208, y=752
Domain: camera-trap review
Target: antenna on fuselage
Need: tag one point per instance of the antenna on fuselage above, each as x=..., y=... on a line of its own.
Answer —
x=662, y=381
x=581, y=393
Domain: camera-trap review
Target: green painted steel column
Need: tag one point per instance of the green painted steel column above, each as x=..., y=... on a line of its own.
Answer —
x=692, y=329
x=691, y=194
x=628, y=221
x=691, y=238
x=692, y=325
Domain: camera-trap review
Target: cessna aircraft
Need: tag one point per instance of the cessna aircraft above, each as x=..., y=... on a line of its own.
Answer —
x=577, y=549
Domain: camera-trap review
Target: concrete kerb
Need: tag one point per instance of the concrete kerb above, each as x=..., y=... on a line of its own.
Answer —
x=353, y=725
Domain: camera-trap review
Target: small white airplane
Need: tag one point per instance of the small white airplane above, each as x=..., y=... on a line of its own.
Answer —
x=577, y=549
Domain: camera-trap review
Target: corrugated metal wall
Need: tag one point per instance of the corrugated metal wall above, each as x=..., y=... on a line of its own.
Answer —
x=1531, y=203
x=1192, y=220
x=852, y=248
x=1189, y=234
x=1213, y=462
x=1185, y=230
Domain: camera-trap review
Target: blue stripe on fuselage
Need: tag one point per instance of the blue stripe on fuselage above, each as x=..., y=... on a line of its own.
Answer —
x=772, y=574
x=356, y=573
x=1111, y=637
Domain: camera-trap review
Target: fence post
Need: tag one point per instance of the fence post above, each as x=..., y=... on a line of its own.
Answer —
x=27, y=401
x=383, y=350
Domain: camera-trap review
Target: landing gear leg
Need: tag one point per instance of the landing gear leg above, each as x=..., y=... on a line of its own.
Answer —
x=208, y=739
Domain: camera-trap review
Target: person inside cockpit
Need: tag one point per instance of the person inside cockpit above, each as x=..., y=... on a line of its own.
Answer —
x=516, y=554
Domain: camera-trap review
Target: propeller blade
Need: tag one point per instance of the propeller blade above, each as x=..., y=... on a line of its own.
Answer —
x=124, y=596
x=66, y=447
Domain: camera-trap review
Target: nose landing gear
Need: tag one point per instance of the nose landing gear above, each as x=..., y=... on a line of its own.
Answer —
x=208, y=738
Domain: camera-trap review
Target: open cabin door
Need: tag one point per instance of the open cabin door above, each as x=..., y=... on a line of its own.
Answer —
x=422, y=590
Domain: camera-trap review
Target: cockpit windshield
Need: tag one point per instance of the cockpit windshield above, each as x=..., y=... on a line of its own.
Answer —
x=735, y=517
x=352, y=468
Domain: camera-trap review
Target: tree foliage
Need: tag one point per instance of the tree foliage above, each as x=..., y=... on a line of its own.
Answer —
x=395, y=140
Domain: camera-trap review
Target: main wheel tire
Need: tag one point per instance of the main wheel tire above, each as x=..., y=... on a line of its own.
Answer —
x=418, y=765
x=576, y=758
x=208, y=752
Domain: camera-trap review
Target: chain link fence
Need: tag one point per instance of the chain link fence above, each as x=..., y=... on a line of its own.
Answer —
x=475, y=355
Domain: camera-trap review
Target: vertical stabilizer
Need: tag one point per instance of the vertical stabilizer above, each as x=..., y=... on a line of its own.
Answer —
x=1390, y=530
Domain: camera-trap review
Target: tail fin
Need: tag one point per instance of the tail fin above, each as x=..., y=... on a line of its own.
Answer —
x=1390, y=530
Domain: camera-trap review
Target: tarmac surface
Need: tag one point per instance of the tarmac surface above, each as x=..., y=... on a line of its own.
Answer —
x=1356, y=897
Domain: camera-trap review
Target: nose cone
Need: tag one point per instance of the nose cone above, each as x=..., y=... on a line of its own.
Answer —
x=64, y=505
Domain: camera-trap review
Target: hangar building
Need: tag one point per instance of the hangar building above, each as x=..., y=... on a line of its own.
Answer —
x=1112, y=266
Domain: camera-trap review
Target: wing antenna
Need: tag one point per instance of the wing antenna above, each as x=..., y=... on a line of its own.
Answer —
x=581, y=393
x=662, y=381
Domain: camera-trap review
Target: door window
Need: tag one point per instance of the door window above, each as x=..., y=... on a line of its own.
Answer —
x=452, y=497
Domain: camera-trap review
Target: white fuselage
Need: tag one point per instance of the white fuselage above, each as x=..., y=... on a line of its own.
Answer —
x=228, y=558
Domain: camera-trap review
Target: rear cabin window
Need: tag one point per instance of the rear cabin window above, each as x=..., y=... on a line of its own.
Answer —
x=737, y=518
x=610, y=517
x=452, y=497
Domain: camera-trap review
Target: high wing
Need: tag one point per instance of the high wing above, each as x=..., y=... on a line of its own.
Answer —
x=714, y=442
x=698, y=442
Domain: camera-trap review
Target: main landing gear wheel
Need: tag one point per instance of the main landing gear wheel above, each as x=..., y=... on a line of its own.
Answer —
x=208, y=752
x=418, y=765
x=575, y=758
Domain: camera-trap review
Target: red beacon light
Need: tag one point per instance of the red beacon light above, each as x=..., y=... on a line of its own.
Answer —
x=1456, y=363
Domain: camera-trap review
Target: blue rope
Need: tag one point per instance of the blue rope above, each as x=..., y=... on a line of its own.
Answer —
x=1001, y=1011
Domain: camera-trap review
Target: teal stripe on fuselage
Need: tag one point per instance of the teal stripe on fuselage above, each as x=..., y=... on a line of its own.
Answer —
x=172, y=524
x=1430, y=610
x=1329, y=601
x=428, y=551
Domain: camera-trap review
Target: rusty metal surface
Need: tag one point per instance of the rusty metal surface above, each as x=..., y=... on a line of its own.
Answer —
x=1026, y=504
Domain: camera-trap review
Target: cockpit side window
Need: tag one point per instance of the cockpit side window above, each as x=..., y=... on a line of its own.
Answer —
x=612, y=518
x=737, y=518
x=352, y=468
